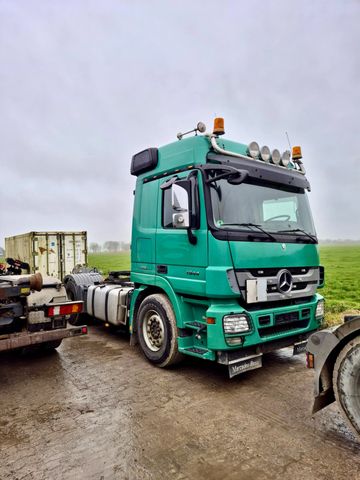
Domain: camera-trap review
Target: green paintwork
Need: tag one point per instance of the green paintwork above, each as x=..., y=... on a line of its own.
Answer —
x=196, y=281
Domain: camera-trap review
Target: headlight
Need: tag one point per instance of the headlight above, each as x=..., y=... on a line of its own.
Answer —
x=265, y=153
x=320, y=309
x=275, y=156
x=236, y=323
x=253, y=149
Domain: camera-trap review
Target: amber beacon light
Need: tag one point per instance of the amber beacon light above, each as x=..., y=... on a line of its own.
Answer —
x=219, y=128
x=296, y=153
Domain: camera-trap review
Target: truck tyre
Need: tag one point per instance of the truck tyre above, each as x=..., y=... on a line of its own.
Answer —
x=48, y=346
x=346, y=382
x=75, y=319
x=157, y=331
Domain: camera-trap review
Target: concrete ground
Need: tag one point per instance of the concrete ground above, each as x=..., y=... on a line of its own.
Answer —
x=97, y=410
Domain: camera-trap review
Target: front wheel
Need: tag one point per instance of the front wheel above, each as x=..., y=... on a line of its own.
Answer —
x=157, y=331
x=346, y=382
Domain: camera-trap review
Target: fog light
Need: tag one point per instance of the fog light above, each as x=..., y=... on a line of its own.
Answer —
x=285, y=158
x=265, y=153
x=275, y=156
x=253, y=149
x=234, y=341
x=320, y=309
x=236, y=323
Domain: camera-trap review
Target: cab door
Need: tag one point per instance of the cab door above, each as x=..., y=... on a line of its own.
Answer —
x=181, y=254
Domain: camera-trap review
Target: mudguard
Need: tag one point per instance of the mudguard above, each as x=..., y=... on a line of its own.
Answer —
x=325, y=345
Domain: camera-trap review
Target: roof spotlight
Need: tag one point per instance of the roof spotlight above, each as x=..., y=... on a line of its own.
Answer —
x=253, y=149
x=285, y=158
x=265, y=153
x=275, y=156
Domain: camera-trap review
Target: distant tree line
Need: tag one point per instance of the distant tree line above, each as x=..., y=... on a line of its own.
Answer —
x=109, y=246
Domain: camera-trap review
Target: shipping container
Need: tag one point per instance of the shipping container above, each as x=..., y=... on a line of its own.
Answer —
x=50, y=253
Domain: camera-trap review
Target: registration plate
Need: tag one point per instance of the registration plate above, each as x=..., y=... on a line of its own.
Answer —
x=244, y=365
x=299, y=347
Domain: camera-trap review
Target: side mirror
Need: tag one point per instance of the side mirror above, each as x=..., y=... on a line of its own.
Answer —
x=181, y=205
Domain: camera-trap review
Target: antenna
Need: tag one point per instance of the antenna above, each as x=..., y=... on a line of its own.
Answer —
x=287, y=136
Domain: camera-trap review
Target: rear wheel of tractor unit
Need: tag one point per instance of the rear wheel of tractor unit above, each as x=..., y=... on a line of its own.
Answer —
x=75, y=319
x=346, y=382
x=157, y=331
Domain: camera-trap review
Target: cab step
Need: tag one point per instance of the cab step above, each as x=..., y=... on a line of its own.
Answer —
x=198, y=352
x=196, y=325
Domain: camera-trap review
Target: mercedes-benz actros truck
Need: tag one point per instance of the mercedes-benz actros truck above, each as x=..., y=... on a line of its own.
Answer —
x=224, y=255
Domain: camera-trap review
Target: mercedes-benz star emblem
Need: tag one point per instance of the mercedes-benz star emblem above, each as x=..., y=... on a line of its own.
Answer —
x=284, y=281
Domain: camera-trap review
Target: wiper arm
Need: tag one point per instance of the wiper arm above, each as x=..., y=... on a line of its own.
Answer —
x=252, y=225
x=314, y=239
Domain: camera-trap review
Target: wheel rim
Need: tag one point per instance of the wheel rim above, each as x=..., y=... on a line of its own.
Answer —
x=153, y=330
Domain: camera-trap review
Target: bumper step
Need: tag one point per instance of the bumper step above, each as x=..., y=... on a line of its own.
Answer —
x=198, y=352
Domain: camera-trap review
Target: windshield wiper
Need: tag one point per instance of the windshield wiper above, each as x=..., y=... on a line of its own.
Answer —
x=252, y=225
x=293, y=230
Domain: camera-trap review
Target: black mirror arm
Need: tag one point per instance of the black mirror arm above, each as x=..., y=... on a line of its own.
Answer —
x=191, y=236
x=168, y=183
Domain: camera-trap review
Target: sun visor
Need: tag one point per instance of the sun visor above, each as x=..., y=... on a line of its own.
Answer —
x=263, y=171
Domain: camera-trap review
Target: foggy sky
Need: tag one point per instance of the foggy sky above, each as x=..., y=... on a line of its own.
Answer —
x=86, y=84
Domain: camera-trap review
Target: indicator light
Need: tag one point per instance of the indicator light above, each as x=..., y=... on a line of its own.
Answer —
x=64, y=309
x=310, y=360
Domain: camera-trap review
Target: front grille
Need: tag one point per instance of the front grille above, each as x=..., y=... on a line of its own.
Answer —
x=272, y=272
x=281, y=318
x=282, y=328
x=296, y=286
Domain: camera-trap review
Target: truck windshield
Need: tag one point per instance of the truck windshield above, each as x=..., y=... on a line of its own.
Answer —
x=258, y=207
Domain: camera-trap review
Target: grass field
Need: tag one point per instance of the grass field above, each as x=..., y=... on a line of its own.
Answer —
x=342, y=280
x=342, y=276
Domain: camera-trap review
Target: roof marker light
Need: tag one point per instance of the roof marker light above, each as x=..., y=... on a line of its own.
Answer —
x=265, y=153
x=253, y=149
x=275, y=156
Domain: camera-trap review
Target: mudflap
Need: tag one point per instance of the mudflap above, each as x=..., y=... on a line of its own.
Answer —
x=299, y=347
x=244, y=365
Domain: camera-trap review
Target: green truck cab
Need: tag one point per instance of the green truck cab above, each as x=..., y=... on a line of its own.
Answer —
x=229, y=240
x=224, y=254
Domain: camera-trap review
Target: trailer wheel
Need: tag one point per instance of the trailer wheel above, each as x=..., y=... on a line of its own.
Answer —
x=157, y=331
x=346, y=382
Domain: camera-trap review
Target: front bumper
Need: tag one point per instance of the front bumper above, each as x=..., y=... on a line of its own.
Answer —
x=270, y=326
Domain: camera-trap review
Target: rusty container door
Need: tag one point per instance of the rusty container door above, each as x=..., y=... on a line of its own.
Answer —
x=74, y=251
